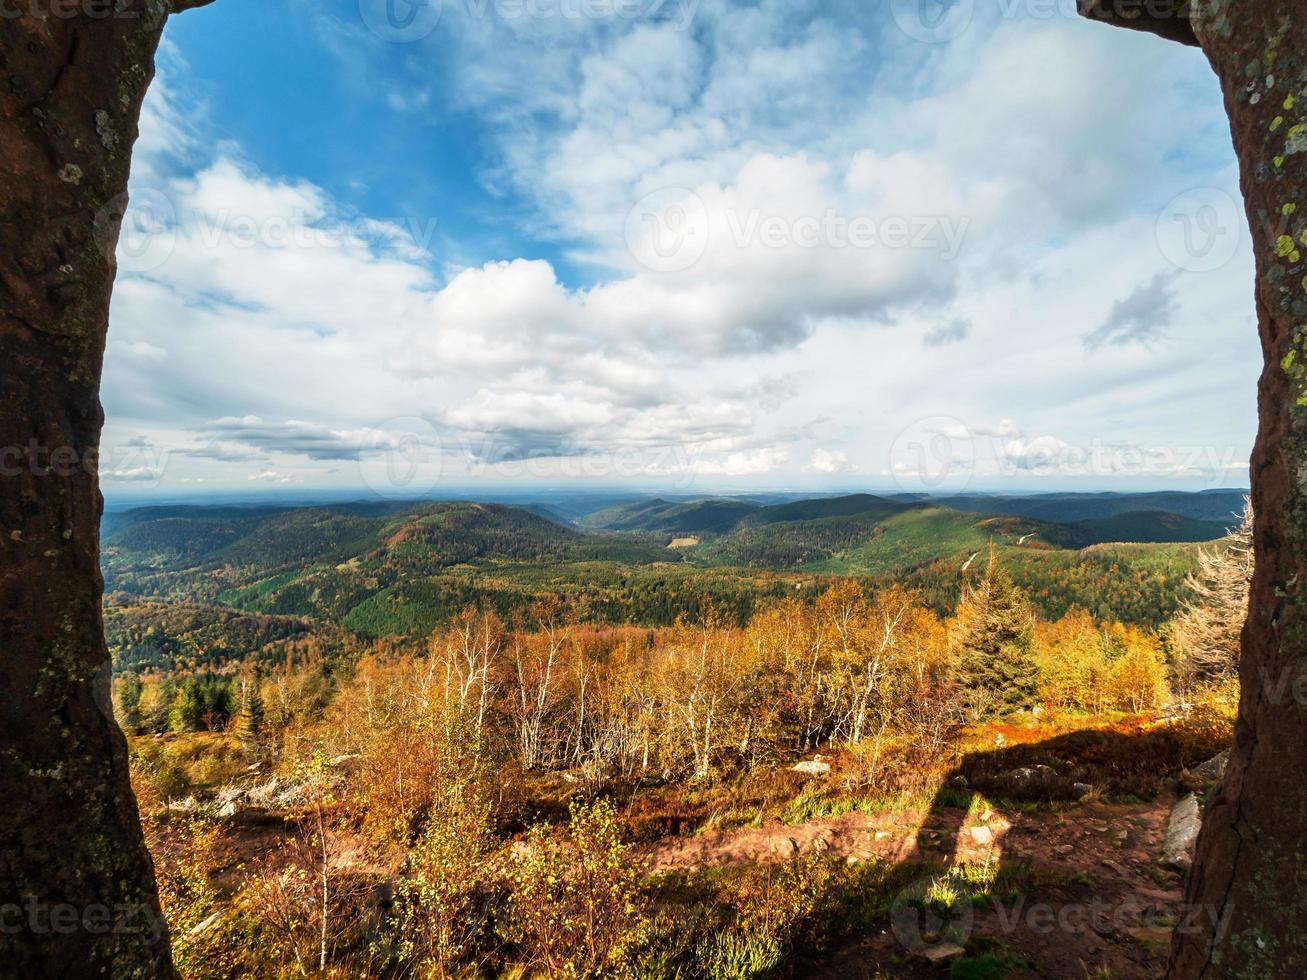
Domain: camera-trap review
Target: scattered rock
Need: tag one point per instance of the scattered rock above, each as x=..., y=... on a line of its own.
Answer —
x=1064, y=849
x=958, y=782
x=943, y=952
x=1181, y=832
x=813, y=767
x=1081, y=790
x=786, y=847
x=201, y=928
x=1115, y=868
x=1213, y=769
x=982, y=835
x=883, y=835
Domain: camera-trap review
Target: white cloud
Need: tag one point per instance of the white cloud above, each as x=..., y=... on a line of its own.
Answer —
x=286, y=327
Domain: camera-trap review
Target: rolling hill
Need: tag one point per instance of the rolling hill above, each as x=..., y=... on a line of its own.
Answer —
x=404, y=568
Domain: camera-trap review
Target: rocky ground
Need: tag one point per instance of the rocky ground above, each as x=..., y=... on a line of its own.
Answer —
x=1095, y=899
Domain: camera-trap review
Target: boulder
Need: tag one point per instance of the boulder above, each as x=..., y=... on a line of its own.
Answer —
x=1181, y=833
x=1213, y=769
x=813, y=767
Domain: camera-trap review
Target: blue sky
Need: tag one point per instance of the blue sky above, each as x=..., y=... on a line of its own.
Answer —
x=677, y=244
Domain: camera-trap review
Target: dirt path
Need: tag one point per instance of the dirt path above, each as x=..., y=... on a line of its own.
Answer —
x=1095, y=903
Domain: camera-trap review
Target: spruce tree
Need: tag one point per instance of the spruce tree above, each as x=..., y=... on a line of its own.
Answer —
x=249, y=713
x=995, y=644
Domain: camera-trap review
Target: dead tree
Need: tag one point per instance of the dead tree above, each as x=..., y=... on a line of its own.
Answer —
x=1247, y=893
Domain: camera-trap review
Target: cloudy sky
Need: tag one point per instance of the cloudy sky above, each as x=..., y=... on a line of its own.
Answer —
x=671, y=244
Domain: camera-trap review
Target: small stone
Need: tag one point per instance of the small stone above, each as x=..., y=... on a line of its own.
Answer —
x=206, y=925
x=943, y=953
x=982, y=835
x=786, y=847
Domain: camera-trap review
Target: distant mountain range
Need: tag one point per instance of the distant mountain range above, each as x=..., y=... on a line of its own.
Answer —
x=1063, y=520
x=389, y=568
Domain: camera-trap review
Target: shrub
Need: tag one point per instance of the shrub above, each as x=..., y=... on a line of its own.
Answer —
x=576, y=908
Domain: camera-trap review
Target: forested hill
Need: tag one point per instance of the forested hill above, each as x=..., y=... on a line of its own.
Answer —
x=388, y=568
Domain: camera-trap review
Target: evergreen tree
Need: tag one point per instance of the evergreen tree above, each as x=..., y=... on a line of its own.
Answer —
x=127, y=703
x=188, y=707
x=995, y=644
x=248, y=726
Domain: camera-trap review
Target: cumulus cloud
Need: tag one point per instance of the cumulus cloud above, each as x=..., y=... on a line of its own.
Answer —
x=828, y=461
x=284, y=326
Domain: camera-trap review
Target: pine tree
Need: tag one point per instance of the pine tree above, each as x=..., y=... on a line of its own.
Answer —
x=187, y=708
x=248, y=726
x=995, y=645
